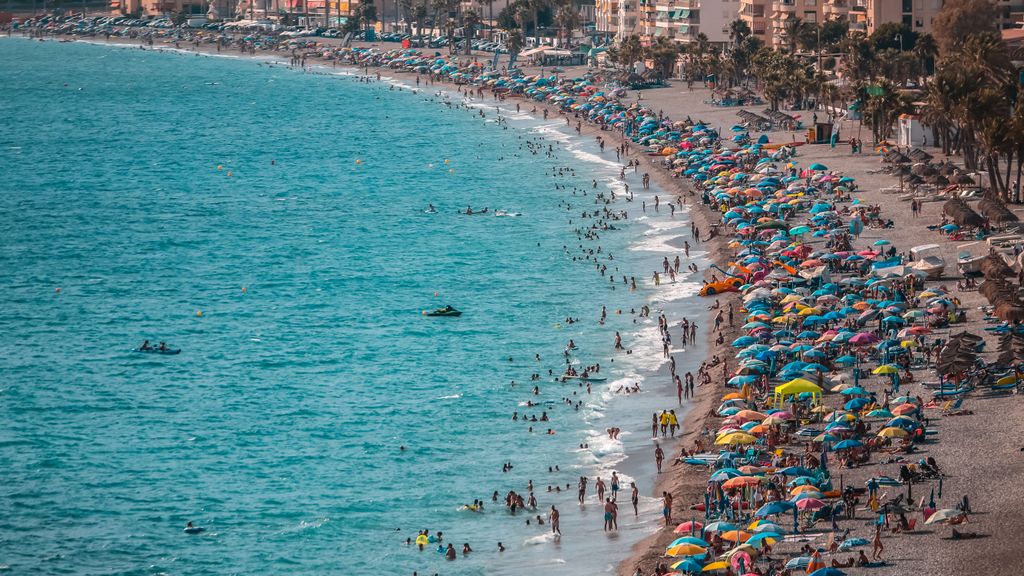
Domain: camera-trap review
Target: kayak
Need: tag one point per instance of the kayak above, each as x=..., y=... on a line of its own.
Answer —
x=167, y=352
x=452, y=313
x=194, y=530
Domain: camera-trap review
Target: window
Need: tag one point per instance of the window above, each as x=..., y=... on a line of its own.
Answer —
x=908, y=5
x=908, y=19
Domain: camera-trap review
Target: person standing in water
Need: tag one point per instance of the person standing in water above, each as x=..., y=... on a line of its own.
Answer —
x=553, y=520
x=634, y=497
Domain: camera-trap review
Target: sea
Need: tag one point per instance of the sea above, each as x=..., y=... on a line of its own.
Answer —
x=273, y=225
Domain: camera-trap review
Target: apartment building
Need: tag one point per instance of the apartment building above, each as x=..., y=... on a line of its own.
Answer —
x=683, y=20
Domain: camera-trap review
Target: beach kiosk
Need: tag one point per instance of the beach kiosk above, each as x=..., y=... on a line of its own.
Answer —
x=794, y=388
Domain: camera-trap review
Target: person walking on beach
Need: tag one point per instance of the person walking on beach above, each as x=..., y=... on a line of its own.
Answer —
x=600, y=488
x=659, y=456
x=634, y=497
x=553, y=520
x=876, y=543
x=582, y=488
x=718, y=320
x=679, y=390
x=654, y=425
x=666, y=509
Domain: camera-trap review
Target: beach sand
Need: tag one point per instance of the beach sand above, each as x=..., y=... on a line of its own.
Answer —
x=979, y=453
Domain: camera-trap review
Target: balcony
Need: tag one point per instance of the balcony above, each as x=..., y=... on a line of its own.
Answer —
x=835, y=9
x=784, y=7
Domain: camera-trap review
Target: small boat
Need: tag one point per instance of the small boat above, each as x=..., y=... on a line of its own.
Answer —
x=165, y=351
x=446, y=311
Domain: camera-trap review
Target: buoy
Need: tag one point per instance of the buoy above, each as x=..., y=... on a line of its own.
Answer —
x=199, y=312
x=446, y=161
x=358, y=162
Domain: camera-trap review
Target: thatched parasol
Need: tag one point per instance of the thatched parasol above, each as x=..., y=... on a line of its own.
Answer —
x=996, y=211
x=961, y=213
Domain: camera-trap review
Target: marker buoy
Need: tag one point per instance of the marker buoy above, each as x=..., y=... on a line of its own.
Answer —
x=358, y=162
x=199, y=313
x=446, y=161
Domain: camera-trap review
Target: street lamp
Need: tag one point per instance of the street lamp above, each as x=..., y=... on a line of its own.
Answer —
x=900, y=38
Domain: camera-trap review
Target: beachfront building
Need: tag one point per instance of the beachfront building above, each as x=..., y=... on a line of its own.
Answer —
x=757, y=13
x=683, y=20
x=606, y=17
x=783, y=10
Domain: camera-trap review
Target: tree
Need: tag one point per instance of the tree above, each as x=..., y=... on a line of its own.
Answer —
x=739, y=30
x=960, y=19
x=180, y=18
x=514, y=42
x=665, y=54
x=925, y=50
x=470, y=20
x=791, y=31
x=568, y=19
x=893, y=35
x=628, y=51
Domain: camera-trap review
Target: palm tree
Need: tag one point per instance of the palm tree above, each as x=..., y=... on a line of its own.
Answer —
x=470, y=20
x=739, y=30
x=567, y=19
x=791, y=29
x=514, y=43
x=926, y=50
x=535, y=7
x=665, y=54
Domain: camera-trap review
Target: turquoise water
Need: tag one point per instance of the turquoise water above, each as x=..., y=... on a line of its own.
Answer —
x=271, y=224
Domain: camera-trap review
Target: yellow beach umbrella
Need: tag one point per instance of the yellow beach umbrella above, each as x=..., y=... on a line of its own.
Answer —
x=735, y=536
x=1006, y=380
x=892, y=432
x=886, y=369
x=736, y=438
x=686, y=550
x=720, y=565
x=802, y=489
x=733, y=396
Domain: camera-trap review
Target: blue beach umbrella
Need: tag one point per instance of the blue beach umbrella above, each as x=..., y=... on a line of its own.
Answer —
x=856, y=404
x=772, y=508
x=847, y=444
x=688, y=565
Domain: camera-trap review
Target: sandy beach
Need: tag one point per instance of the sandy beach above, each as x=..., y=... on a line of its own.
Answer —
x=978, y=458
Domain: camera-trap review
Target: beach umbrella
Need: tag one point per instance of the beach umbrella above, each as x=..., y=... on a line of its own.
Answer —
x=817, y=167
x=772, y=508
x=719, y=527
x=687, y=565
x=809, y=504
x=736, y=438
x=735, y=536
x=798, y=562
x=886, y=369
x=719, y=565
x=688, y=527
x=856, y=404
x=880, y=413
x=741, y=481
x=892, y=432
x=943, y=515
x=852, y=543
x=686, y=550
x=689, y=540
x=771, y=537
x=828, y=571
x=847, y=444
x=815, y=563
